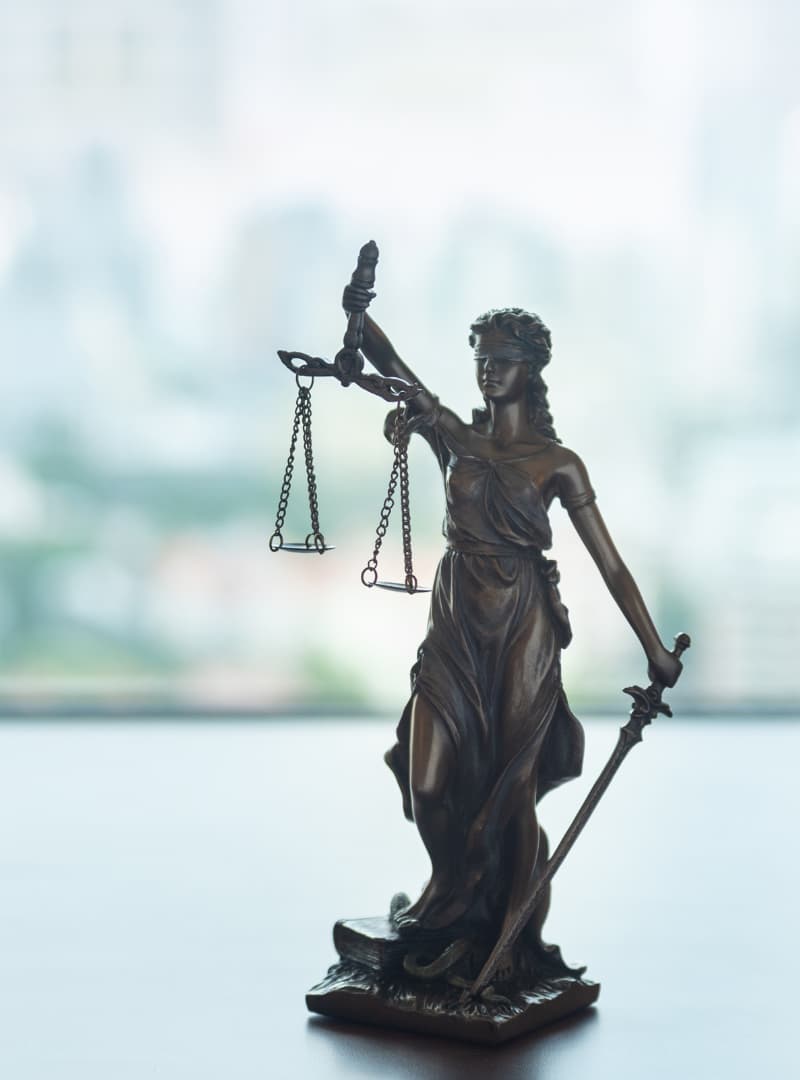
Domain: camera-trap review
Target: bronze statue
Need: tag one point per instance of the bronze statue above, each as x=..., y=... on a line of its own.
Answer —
x=487, y=730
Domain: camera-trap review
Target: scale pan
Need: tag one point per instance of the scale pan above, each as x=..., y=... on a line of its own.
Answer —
x=301, y=548
x=399, y=586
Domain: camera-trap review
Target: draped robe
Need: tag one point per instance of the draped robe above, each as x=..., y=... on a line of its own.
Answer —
x=489, y=668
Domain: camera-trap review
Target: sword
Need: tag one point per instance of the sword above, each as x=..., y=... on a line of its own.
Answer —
x=646, y=705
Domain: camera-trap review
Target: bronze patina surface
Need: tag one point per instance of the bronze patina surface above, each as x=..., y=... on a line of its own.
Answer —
x=487, y=730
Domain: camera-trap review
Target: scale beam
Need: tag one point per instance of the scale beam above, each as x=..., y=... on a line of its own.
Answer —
x=389, y=389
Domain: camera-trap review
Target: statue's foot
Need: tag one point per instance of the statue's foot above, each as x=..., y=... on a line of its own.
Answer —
x=446, y=904
x=432, y=912
x=412, y=928
x=446, y=900
x=406, y=924
x=440, y=916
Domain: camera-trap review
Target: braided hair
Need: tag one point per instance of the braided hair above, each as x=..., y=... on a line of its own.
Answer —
x=534, y=338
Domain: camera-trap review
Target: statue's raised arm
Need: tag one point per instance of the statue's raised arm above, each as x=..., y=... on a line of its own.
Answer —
x=383, y=356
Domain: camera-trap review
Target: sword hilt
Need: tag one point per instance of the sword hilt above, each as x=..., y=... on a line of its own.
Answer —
x=647, y=703
x=682, y=643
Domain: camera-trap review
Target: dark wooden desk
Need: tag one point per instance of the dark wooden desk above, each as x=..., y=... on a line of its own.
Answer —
x=167, y=894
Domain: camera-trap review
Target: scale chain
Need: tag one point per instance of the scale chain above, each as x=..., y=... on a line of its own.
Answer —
x=369, y=575
x=319, y=539
x=401, y=437
x=302, y=415
x=286, y=486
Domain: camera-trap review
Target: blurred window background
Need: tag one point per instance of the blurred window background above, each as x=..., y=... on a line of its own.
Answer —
x=184, y=187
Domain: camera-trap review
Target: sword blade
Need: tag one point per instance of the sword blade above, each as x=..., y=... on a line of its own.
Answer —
x=646, y=705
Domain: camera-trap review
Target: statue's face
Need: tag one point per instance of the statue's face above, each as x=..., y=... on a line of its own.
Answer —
x=502, y=369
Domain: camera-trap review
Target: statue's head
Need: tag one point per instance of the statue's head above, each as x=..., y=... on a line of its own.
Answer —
x=515, y=329
x=508, y=339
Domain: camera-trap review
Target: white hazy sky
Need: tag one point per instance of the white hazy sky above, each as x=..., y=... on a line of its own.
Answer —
x=647, y=152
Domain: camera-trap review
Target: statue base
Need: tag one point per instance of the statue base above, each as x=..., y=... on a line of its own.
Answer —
x=370, y=985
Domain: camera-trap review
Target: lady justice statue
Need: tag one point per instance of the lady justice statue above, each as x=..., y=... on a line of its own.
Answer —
x=487, y=730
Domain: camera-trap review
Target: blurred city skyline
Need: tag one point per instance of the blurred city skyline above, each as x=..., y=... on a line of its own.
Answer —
x=184, y=187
